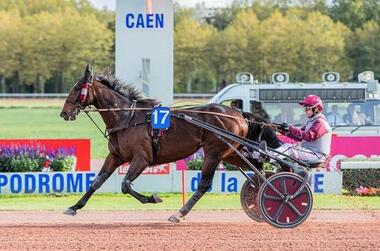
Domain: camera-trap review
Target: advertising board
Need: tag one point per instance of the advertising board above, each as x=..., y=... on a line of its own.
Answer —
x=79, y=182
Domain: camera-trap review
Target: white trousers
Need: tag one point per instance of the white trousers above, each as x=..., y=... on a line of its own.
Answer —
x=298, y=152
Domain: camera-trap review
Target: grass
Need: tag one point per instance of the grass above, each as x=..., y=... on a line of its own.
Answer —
x=171, y=202
x=27, y=122
x=39, y=118
x=346, y=202
x=28, y=103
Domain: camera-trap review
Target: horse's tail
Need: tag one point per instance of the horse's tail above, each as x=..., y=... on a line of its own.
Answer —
x=253, y=126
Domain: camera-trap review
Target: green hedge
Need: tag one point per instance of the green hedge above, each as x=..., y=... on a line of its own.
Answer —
x=354, y=178
x=195, y=164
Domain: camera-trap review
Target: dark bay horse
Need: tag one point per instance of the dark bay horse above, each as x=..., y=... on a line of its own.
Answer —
x=130, y=140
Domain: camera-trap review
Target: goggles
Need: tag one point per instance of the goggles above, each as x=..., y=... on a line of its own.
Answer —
x=307, y=108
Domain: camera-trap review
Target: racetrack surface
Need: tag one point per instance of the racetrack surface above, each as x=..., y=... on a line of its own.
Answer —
x=201, y=230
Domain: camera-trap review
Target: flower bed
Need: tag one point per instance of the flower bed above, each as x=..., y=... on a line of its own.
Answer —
x=35, y=158
x=362, y=181
x=365, y=191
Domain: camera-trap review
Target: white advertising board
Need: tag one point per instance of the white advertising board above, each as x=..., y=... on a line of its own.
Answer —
x=78, y=182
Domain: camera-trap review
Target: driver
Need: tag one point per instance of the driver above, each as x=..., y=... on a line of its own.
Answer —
x=314, y=136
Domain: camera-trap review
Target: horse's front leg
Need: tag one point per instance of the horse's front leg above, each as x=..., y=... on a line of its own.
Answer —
x=136, y=167
x=208, y=170
x=109, y=166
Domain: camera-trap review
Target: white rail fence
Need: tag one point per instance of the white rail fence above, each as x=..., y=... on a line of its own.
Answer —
x=64, y=95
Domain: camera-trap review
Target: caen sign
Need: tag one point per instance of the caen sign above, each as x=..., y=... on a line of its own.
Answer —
x=146, y=20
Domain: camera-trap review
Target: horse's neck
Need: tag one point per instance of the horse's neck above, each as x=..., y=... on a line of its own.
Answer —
x=107, y=98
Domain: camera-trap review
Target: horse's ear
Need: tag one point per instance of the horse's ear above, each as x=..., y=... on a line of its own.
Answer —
x=88, y=74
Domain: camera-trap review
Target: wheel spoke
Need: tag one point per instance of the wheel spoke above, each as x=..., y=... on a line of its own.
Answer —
x=301, y=193
x=291, y=206
x=279, y=212
x=275, y=190
x=254, y=186
x=270, y=197
x=283, y=184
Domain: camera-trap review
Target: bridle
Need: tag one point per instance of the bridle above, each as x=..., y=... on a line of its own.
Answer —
x=80, y=104
x=86, y=85
x=87, y=82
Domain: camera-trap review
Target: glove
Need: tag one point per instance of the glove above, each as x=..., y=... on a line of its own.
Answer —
x=283, y=127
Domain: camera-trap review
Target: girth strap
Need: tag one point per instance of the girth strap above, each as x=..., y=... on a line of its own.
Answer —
x=155, y=134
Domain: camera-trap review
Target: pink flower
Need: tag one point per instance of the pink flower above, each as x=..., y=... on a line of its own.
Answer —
x=362, y=190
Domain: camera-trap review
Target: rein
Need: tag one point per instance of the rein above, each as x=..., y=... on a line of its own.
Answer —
x=212, y=113
x=105, y=135
x=86, y=110
x=115, y=109
x=264, y=124
x=134, y=108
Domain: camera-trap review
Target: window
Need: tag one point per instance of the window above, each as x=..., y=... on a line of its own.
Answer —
x=325, y=94
x=235, y=103
x=291, y=113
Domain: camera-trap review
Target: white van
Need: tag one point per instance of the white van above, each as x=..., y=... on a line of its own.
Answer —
x=280, y=100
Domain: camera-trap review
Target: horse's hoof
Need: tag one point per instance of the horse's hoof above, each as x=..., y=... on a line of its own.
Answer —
x=70, y=211
x=156, y=199
x=174, y=219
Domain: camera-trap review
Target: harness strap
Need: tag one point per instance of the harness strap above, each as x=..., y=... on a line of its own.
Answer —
x=132, y=111
x=128, y=125
x=119, y=128
x=155, y=145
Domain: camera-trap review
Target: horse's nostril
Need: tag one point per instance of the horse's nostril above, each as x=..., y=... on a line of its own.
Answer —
x=63, y=114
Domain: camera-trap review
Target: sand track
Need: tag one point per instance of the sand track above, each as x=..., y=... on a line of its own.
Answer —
x=202, y=230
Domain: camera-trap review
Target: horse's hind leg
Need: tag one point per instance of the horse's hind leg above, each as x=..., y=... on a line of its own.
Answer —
x=208, y=171
x=108, y=168
x=136, y=168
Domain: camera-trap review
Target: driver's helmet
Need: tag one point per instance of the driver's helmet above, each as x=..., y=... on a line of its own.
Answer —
x=312, y=101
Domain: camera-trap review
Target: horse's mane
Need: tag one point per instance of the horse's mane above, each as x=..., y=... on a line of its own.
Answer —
x=126, y=90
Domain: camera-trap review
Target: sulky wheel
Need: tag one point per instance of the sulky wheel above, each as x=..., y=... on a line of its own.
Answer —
x=277, y=203
x=248, y=197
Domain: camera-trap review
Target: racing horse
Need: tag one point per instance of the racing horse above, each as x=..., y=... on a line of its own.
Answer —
x=130, y=138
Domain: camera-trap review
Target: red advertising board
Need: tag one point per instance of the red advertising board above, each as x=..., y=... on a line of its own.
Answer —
x=80, y=148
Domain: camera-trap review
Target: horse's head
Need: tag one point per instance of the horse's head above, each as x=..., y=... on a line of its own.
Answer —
x=79, y=97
